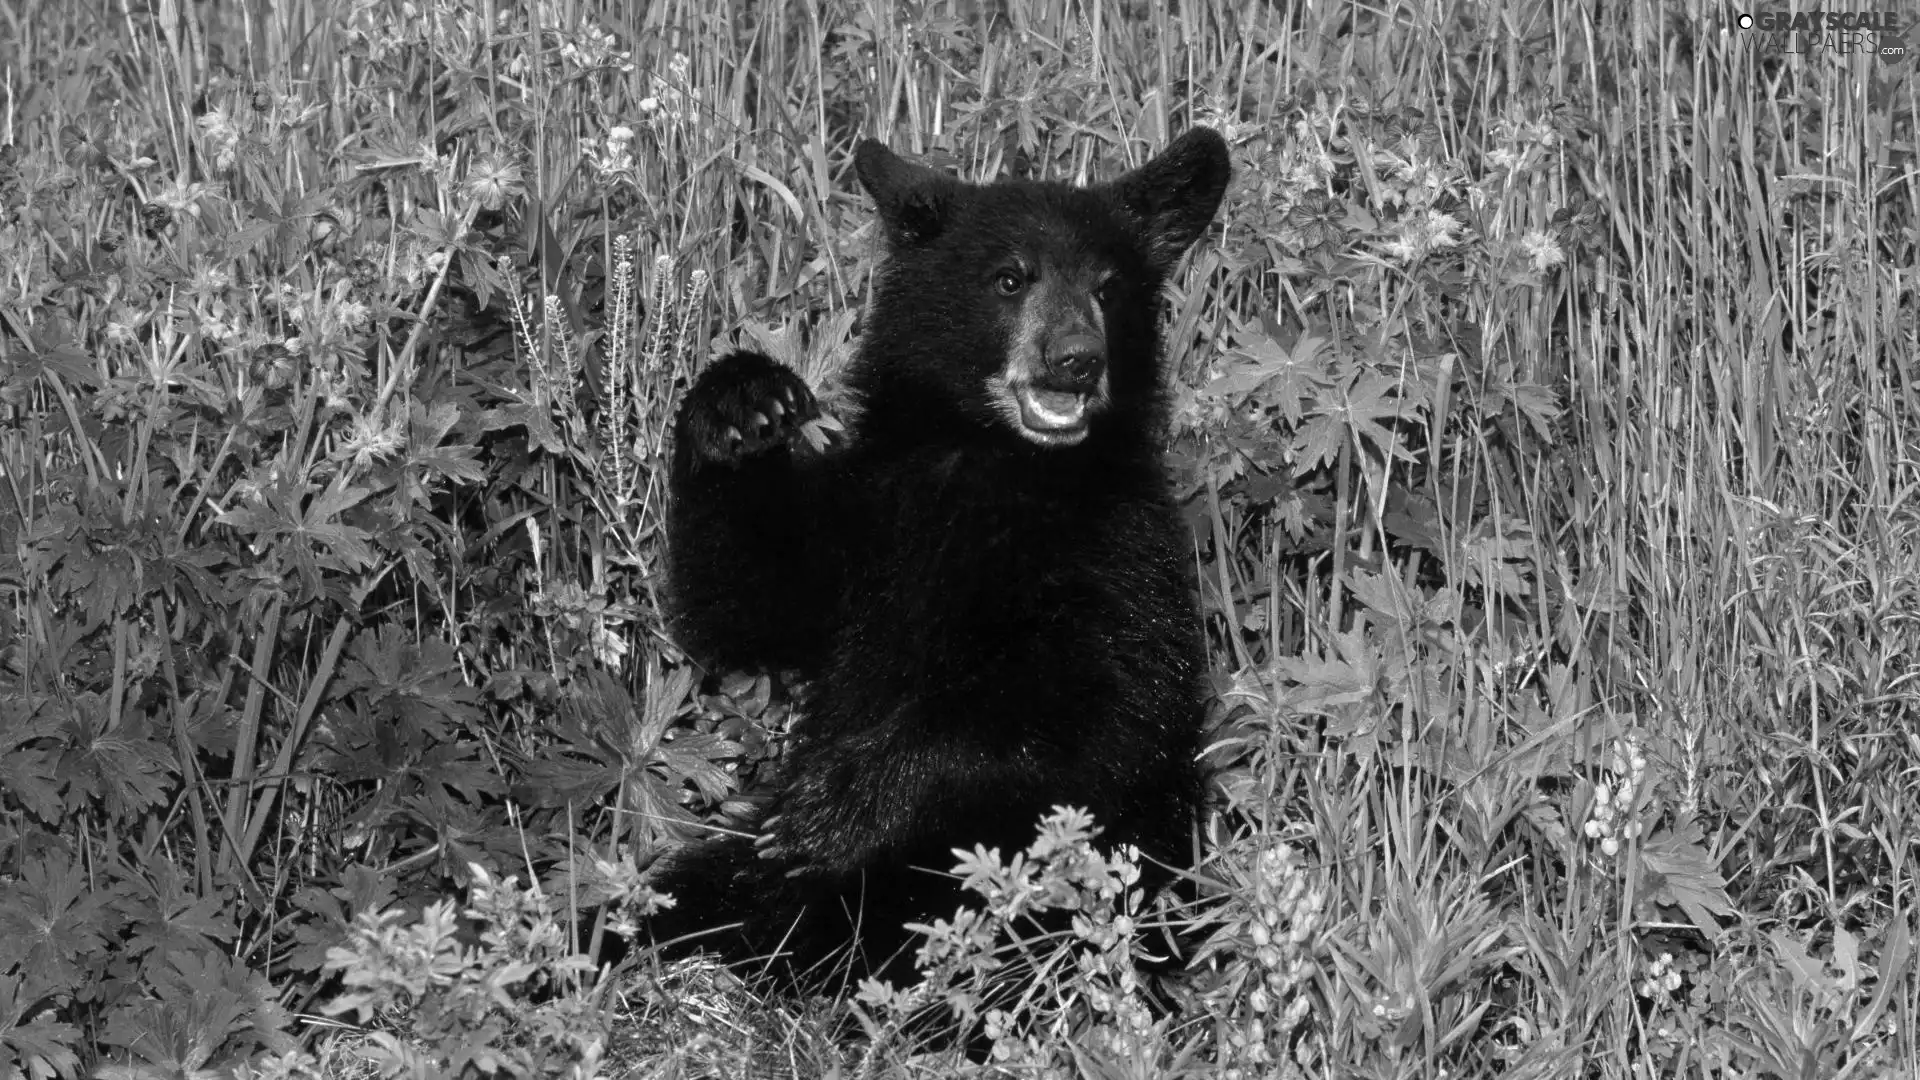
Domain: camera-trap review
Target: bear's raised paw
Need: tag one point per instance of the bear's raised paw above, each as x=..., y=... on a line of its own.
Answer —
x=744, y=406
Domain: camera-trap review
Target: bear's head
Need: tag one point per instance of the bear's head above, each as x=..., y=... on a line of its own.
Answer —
x=1026, y=313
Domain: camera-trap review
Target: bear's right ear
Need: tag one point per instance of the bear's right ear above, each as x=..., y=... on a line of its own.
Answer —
x=912, y=199
x=1175, y=195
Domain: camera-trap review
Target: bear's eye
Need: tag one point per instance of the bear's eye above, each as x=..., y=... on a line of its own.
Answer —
x=1105, y=292
x=1009, y=282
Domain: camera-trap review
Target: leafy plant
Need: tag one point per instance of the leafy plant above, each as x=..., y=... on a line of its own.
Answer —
x=1547, y=449
x=1036, y=988
x=514, y=1004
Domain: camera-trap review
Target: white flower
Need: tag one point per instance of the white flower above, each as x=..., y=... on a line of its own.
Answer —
x=352, y=314
x=222, y=137
x=1542, y=251
x=1399, y=250
x=124, y=325
x=181, y=197
x=492, y=181
x=1421, y=234
x=1442, y=230
x=371, y=441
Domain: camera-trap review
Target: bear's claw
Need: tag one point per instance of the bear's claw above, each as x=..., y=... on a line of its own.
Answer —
x=744, y=406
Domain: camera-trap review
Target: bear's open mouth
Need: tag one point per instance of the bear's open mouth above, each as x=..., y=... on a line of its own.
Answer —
x=1053, y=415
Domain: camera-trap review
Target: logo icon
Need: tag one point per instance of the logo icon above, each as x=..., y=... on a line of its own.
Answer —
x=1837, y=33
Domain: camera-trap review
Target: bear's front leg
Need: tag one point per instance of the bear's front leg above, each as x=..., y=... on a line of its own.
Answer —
x=745, y=584
x=884, y=797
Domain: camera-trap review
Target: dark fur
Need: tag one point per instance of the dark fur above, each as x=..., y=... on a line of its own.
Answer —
x=985, y=627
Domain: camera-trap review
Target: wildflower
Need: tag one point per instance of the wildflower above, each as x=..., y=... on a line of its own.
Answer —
x=1318, y=220
x=351, y=315
x=1541, y=250
x=178, y=197
x=1420, y=234
x=1425, y=180
x=217, y=329
x=1662, y=980
x=492, y=181
x=333, y=386
x=612, y=160
x=210, y=280
x=1082, y=59
x=1442, y=230
x=1610, y=819
x=672, y=98
x=584, y=45
x=1399, y=250
x=222, y=135
x=371, y=440
x=1410, y=129
x=271, y=364
x=1521, y=144
x=123, y=325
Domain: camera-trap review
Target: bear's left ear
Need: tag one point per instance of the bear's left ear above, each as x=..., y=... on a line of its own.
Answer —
x=912, y=199
x=1175, y=195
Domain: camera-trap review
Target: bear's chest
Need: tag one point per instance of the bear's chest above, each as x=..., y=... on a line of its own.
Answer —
x=953, y=572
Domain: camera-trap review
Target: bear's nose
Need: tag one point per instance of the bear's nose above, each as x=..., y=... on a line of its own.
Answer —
x=1077, y=359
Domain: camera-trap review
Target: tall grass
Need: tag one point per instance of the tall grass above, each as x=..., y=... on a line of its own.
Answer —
x=1547, y=411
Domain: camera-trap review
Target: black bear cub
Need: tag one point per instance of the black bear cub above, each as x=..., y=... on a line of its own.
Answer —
x=985, y=589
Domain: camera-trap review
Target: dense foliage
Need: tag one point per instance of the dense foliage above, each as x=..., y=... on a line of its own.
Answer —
x=1547, y=414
